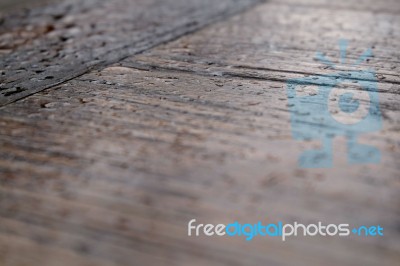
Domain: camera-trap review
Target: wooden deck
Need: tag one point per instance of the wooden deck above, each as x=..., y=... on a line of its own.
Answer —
x=120, y=121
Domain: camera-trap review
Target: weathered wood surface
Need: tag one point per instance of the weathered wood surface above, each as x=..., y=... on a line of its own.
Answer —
x=45, y=46
x=108, y=168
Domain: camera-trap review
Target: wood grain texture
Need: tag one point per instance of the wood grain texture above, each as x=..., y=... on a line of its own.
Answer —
x=8, y=6
x=42, y=47
x=109, y=167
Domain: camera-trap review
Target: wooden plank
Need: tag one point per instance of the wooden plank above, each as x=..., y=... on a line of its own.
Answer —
x=108, y=168
x=7, y=6
x=48, y=45
x=129, y=157
x=249, y=47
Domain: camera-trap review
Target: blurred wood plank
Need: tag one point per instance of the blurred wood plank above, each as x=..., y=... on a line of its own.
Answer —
x=109, y=167
x=7, y=6
x=117, y=162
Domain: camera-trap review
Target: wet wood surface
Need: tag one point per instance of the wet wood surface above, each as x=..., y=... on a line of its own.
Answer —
x=45, y=46
x=108, y=166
